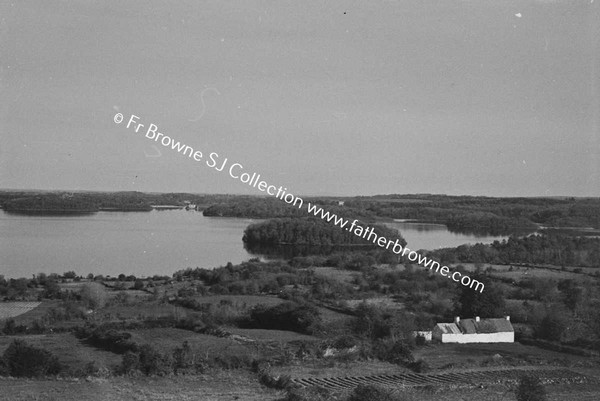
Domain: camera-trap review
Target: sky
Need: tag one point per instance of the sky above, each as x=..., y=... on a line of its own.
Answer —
x=481, y=97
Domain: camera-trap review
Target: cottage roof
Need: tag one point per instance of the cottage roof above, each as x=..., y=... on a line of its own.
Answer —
x=471, y=326
x=448, y=328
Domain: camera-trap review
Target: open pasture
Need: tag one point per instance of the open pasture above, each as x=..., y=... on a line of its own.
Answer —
x=336, y=274
x=459, y=356
x=517, y=272
x=169, y=338
x=270, y=335
x=240, y=300
x=69, y=350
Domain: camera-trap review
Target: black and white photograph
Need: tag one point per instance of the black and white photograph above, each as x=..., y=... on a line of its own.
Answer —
x=261, y=200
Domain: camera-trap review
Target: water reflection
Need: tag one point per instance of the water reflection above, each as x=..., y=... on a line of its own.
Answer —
x=419, y=235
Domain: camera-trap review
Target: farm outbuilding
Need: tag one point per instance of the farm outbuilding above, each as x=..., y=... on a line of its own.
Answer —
x=497, y=330
x=426, y=335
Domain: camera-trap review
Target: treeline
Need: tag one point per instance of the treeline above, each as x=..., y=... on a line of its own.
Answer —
x=310, y=231
x=93, y=201
x=77, y=203
x=487, y=223
x=559, y=250
x=268, y=208
x=466, y=210
x=254, y=209
x=51, y=203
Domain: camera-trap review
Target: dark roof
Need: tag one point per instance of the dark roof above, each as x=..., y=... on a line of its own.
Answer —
x=448, y=328
x=499, y=325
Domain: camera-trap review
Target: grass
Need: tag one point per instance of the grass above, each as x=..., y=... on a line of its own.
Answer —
x=238, y=385
x=336, y=274
x=381, y=301
x=144, y=310
x=69, y=350
x=271, y=335
x=466, y=356
x=331, y=368
x=216, y=386
x=167, y=339
x=521, y=272
x=247, y=300
x=37, y=313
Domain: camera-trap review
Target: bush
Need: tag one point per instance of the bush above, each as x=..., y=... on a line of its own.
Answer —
x=148, y=360
x=552, y=327
x=530, y=389
x=130, y=362
x=111, y=340
x=23, y=360
x=397, y=352
x=303, y=318
x=420, y=366
x=11, y=328
x=152, y=362
x=308, y=394
x=369, y=392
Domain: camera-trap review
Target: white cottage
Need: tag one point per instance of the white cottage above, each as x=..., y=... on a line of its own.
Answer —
x=475, y=331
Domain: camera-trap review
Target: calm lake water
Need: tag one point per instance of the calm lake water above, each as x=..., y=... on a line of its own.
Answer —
x=434, y=236
x=110, y=243
x=148, y=243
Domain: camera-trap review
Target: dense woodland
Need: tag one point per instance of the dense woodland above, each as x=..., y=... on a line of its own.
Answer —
x=310, y=231
x=557, y=250
x=51, y=203
x=258, y=208
x=469, y=211
x=32, y=201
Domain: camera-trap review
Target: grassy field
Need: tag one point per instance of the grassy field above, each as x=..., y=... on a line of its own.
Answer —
x=36, y=313
x=241, y=300
x=217, y=386
x=69, y=350
x=335, y=274
x=241, y=386
x=462, y=356
x=329, y=368
x=142, y=310
x=270, y=335
x=169, y=338
x=521, y=272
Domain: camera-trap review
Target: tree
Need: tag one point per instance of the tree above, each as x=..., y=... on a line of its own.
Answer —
x=552, y=327
x=573, y=294
x=93, y=295
x=489, y=303
x=52, y=289
x=23, y=360
x=69, y=274
x=530, y=389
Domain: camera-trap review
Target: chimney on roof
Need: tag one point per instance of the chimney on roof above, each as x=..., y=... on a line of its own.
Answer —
x=507, y=317
x=477, y=318
x=457, y=320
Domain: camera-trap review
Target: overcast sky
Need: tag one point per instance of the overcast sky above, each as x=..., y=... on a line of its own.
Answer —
x=477, y=97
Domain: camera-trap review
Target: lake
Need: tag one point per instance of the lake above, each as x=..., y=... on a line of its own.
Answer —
x=110, y=243
x=433, y=236
x=149, y=243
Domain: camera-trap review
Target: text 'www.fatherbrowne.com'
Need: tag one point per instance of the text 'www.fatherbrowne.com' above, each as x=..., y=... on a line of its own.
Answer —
x=237, y=171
